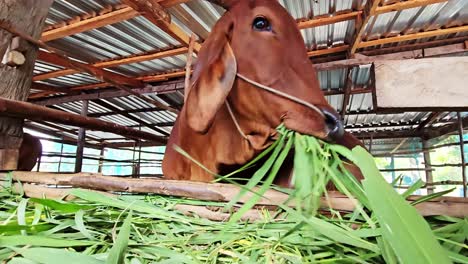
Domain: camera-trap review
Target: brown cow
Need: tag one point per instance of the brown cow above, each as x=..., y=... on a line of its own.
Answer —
x=29, y=152
x=227, y=119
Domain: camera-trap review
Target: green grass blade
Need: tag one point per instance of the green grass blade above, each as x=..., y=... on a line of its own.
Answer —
x=402, y=226
x=416, y=186
x=136, y=205
x=431, y=196
x=266, y=185
x=259, y=174
x=117, y=252
x=42, y=241
x=21, y=212
x=79, y=221
x=61, y=206
x=57, y=256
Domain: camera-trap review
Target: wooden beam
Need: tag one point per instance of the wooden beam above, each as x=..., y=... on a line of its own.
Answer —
x=115, y=16
x=420, y=35
x=49, y=88
x=320, y=52
x=444, y=130
x=81, y=139
x=386, y=134
x=369, y=11
x=131, y=111
x=321, y=21
x=39, y=113
x=457, y=43
x=462, y=151
x=347, y=93
x=117, y=111
x=405, y=5
x=168, y=87
x=429, y=120
x=116, y=62
x=155, y=13
x=101, y=74
x=170, y=3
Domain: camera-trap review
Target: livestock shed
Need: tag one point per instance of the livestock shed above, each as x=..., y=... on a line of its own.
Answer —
x=101, y=83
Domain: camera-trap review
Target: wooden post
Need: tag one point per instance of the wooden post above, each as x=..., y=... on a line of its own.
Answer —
x=81, y=139
x=27, y=16
x=462, y=152
x=101, y=162
x=139, y=160
x=134, y=168
x=427, y=165
x=60, y=158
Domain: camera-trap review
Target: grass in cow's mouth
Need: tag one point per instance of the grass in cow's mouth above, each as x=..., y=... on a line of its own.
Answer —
x=147, y=229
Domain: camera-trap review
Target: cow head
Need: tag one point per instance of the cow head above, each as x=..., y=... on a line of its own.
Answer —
x=260, y=40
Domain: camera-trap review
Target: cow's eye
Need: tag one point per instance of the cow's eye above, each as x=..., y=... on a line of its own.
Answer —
x=260, y=23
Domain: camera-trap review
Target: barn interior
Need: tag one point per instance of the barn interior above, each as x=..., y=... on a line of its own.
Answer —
x=109, y=80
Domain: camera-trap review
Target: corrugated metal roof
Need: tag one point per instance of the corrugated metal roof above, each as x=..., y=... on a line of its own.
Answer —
x=138, y=35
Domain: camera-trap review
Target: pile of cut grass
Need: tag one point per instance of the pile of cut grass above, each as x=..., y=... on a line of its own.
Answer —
x=147, y=229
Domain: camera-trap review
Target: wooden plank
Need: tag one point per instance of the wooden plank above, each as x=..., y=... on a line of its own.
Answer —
x=315, y=22
x=89, y=24
x=425, y=83
x=405, y=5
x=116, y=62
x=427, y=34
x=320, y=52
x=421, y=46
x=155, y=13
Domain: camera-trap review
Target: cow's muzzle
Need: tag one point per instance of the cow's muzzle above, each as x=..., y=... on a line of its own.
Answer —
x=334, y=124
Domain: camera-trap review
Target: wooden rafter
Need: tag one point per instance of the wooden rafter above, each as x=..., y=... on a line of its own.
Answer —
x=162, y=88
x=321, y=21
x=347, y=93
x=429, y=120
x=320, y=52
x=405, y=5
x=116, y=62
x=39, y=113
x=420, y=35
x=101, y=74
x=155, y=12
x=369, y=11
x=54, y=89
x=129, y=116
x=90, y=23
x=103, y=19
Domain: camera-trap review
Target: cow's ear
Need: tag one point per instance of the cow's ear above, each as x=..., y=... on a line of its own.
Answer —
x=213, y=79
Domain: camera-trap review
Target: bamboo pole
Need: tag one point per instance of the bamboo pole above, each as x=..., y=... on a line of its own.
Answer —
x=450, y=206
x=39, y=113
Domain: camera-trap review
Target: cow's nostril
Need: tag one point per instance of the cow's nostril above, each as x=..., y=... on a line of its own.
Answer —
x=334, y=124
